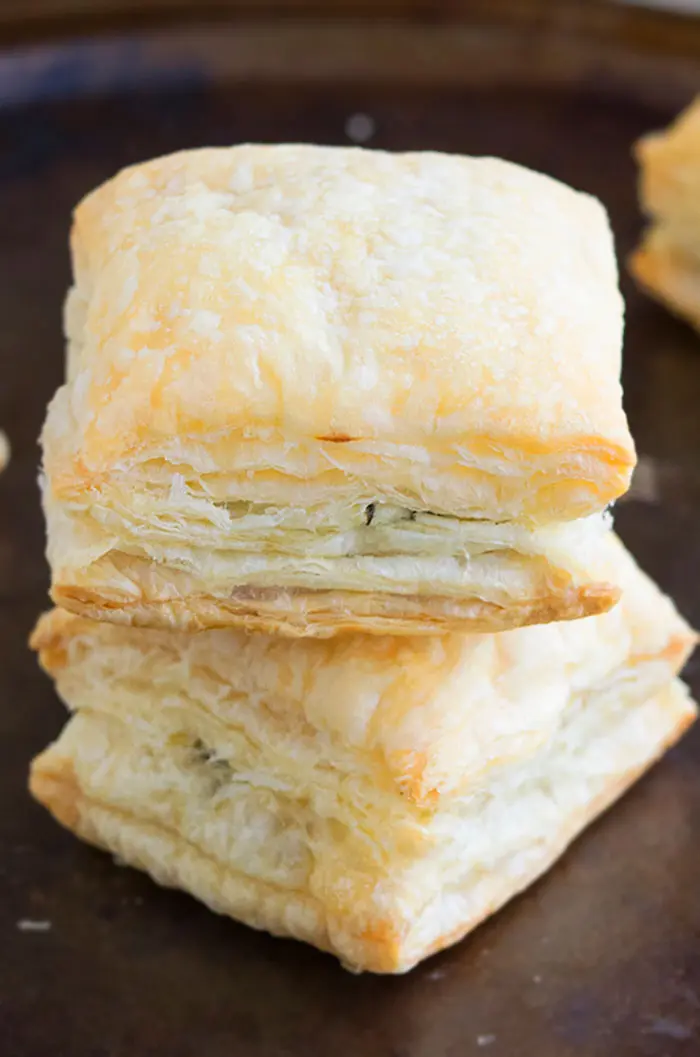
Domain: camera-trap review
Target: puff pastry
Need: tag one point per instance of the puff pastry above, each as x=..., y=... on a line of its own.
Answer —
x=667, y=263
x=313, y=389
x=377, y=797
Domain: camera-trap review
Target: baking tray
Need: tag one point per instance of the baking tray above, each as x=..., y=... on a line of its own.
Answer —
x=602, y=957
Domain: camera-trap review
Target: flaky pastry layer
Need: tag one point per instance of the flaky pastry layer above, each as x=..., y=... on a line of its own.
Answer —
x=376, y=568
x=487, y=591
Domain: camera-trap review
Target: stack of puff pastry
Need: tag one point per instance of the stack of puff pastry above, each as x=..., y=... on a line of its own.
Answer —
x=350, y=648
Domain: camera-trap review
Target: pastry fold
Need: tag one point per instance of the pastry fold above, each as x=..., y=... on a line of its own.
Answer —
x=377, y=797
x=314, y=389
x=667, y=262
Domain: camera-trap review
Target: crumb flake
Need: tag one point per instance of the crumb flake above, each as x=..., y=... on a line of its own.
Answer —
x=360, y=128
x=32, y=925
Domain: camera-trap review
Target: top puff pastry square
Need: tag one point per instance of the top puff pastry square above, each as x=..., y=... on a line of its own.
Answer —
x=317, y=389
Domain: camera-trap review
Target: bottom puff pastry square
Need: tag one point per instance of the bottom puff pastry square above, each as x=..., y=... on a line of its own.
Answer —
x=376, y=797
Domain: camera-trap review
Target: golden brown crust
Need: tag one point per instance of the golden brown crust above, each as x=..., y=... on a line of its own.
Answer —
x=322, y=613
x=55, y=786
x=294, y=263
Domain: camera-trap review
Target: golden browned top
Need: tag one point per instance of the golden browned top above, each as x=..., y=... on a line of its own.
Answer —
x=357, y=304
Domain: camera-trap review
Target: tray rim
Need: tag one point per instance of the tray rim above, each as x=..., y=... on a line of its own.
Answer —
x=568, y=48
x=34, y=21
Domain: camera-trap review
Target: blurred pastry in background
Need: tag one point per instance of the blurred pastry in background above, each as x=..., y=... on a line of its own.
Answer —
x=4, y=451
x=667, y=262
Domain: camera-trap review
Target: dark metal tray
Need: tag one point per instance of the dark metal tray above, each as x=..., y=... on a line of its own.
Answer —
x=602, y=957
